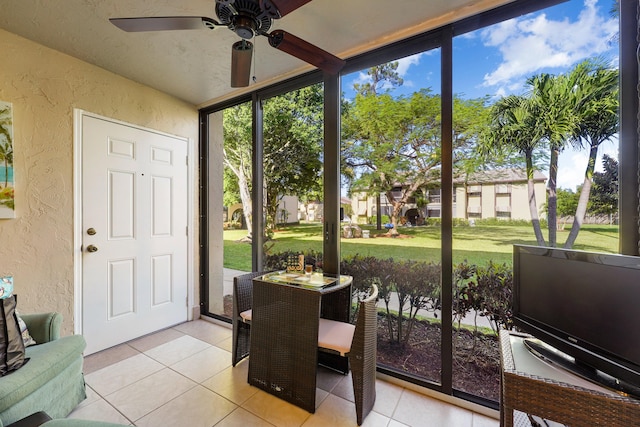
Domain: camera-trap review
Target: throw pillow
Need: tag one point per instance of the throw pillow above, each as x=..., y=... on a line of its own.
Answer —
x=26, y=336
x=6, y=286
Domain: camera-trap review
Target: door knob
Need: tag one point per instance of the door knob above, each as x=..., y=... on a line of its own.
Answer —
x=92, y=248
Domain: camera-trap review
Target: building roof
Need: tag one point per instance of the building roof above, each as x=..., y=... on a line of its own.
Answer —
x=497, y=176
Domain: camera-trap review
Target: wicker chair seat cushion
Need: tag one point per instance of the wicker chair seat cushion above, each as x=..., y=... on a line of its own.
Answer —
x=246, y=315
x=335, y=335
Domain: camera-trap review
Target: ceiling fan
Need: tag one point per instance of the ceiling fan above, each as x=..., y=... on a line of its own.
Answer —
x=246, y=18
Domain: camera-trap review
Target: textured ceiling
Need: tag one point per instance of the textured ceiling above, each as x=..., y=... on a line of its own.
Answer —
x=195, y=65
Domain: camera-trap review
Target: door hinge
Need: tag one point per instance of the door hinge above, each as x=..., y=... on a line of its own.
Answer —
x=186, y=229
x=186, y=160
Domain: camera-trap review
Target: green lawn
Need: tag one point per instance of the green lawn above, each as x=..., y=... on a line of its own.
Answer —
x=477, y=244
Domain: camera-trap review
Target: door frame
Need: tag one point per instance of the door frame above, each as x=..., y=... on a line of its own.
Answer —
x=78, y=114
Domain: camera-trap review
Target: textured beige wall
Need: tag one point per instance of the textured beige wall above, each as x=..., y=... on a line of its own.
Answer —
x=520, y=200
x=488, y=201
x=44, y=87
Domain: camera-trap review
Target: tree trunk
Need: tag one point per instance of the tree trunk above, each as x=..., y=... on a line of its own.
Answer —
x=395, y=213
x=271, y=209
x=245, y=197
x=533, y=208
x=581, y=209
x=552, y=202
x=378, y=213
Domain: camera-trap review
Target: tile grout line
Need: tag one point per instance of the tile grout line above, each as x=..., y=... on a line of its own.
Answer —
x=103, y=398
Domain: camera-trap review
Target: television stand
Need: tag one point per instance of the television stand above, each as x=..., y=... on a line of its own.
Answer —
x=545, y=352
x=532, y=386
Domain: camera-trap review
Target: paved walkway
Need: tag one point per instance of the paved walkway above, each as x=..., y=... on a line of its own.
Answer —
x=228, y=276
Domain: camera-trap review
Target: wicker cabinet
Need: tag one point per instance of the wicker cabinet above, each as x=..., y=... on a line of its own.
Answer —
x=531, y=386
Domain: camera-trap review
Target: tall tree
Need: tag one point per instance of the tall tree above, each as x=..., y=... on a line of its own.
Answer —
x=514, y=127
x=567, y=202
x=293, y=135
x=596, y=106
x=237, y=157
x=382, y=78
x=292, y=148
x=392, y=145
x=395, y=143
x=604, y=192
x=549, y=103
x=578, y=108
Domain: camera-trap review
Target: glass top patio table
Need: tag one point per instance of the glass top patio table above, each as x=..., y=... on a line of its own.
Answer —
x=311, y=281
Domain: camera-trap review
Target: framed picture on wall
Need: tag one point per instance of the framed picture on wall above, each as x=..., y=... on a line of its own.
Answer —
x=7, y=196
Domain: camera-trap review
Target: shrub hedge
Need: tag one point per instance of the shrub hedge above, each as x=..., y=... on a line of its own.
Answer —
x=483, y=290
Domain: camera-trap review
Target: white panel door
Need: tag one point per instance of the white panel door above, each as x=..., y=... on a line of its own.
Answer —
x=134, y=224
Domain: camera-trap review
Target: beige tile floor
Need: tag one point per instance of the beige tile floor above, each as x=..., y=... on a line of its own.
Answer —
x=182, y=376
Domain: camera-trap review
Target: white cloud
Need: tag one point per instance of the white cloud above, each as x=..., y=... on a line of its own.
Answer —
x=406, y=62
x=572, y=163
x=363, y=77
x=528, y=45
x=501, y=92
x=571, y=167
x=403, y=69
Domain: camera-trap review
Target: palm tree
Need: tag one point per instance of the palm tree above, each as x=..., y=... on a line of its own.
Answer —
x=580, y=108
x=6, y=156
x=514, y=126
x=6, y=144
x=549, y=99
x=596, y=105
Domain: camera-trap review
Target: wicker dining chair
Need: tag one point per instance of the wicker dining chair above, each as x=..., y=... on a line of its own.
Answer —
x=359, y=344
x=241, y=316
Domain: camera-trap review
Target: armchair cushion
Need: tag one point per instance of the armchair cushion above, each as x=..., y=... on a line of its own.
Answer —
x=46, y=362
x=52, y=380
x=43, y=327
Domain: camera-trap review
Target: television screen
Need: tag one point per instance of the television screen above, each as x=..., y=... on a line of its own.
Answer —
x=582, y=303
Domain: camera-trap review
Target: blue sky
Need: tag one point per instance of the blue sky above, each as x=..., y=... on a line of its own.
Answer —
x=497, y=60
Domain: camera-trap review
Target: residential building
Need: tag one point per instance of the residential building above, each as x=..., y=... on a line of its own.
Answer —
x=287, y=212
x=313, y=211
x=498, y=194
x=489, y=194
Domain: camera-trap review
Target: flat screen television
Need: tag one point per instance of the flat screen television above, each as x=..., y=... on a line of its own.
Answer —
x=584, y=304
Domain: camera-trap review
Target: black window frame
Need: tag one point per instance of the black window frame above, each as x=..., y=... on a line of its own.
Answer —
x=441, y=38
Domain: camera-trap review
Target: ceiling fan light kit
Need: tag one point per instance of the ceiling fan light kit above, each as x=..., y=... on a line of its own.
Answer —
x=241, y=53
x=246, y=18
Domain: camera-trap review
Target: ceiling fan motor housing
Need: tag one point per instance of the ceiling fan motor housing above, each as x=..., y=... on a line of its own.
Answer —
x=244, y=17
x=244, y=26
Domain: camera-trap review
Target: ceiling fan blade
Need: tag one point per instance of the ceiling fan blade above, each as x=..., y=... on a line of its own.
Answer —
x=241, y=53
x=164, y=23
x=304, y=50
x=283, y=7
